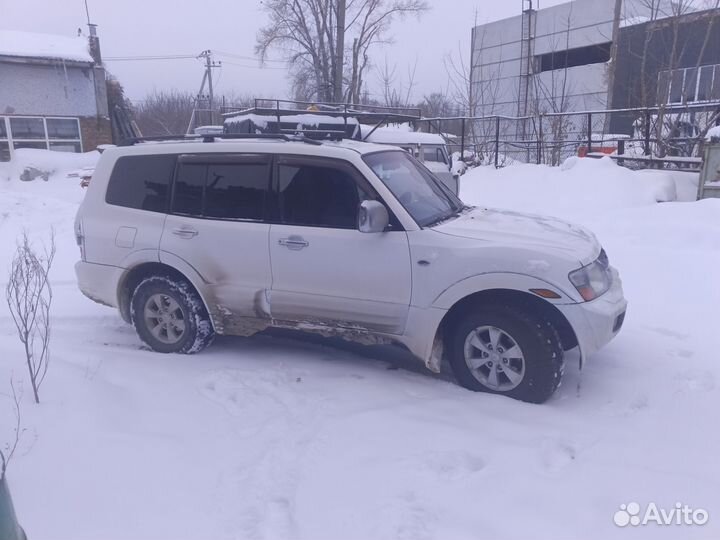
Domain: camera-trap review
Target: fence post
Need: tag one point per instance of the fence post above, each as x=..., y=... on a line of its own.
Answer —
x=541, y=158
x=646, y=149
x=589, y=133
x=621, y=152
x=462, y=140
x=497, y=140
x=277, y=112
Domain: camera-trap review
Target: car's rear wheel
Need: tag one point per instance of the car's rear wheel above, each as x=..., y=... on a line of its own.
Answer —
x=170, y=317
x=502, y=350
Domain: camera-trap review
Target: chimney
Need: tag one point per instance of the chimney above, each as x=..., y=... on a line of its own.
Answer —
x=94, y=43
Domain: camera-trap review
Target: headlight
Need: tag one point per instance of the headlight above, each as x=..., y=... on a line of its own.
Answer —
x=592, y=280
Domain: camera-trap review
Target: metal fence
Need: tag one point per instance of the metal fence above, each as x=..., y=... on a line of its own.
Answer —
x=668, y=134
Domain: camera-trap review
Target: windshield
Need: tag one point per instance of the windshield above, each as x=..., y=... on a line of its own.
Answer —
x=426, y=198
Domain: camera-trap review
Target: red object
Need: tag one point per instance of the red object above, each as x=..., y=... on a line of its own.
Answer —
x=582, y=150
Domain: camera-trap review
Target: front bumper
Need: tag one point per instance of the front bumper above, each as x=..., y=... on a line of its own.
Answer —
x=597, y=322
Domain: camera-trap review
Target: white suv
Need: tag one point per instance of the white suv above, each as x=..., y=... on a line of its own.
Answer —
x=195, y=238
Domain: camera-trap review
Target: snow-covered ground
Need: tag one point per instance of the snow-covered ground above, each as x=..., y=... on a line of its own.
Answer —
x=280, y=439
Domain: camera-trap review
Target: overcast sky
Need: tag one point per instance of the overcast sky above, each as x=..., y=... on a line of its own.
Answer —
x=182, y=27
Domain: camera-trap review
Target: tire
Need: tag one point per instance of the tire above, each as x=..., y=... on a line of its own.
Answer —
x=170, y=317
x=531, y=372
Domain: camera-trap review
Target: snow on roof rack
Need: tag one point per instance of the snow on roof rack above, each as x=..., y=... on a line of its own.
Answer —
x=317, y=120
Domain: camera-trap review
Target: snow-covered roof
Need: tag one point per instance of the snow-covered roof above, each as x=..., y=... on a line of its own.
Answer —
x=713, y=133
x=402, y=134
x=34, y=45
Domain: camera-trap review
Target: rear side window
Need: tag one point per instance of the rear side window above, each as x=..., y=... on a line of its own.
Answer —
x=189, y=186
x=141, y=182
x=236, y=191
x=222, y=190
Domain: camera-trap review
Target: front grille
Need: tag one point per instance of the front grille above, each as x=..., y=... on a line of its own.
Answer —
x=619, y=322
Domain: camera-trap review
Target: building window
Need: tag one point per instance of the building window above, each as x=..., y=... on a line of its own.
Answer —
x=63, y=128
x=4, y=143
x=581, y=56
x=58, y=134
x=689, y=85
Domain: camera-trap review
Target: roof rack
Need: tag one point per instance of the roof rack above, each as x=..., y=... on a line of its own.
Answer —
x=208, y=138
x=363, y=113
x=284, y=116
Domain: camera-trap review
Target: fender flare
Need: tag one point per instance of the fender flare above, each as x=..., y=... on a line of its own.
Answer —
x=143, y=257
x=499, y=280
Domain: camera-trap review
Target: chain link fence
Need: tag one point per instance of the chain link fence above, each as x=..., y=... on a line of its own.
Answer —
x=657, y=136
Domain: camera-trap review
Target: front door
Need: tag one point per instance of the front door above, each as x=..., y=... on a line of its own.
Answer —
x=325, y=271
x=217, y=226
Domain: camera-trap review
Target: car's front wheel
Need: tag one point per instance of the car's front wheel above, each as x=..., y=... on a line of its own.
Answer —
x=502, y=350
x=170, y=317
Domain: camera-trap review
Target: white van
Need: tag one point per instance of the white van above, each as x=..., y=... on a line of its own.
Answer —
x=428, y=148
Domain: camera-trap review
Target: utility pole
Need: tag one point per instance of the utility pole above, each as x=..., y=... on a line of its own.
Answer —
x=210, y=64
x=339, y=51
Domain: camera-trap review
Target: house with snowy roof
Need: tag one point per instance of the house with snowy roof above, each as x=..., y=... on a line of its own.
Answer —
x=53, y=93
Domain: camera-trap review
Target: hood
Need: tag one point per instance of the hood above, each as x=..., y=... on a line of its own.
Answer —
x=529, y=231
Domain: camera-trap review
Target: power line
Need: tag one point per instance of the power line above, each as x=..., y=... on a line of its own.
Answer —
x=143, y=58
x=229, y=63
x=184, y=57
x=251, y=58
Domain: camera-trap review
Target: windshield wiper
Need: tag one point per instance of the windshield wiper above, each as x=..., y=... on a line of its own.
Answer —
x=443, y=218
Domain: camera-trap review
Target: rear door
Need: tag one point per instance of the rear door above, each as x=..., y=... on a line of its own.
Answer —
x=217, y=226
x=325, y=271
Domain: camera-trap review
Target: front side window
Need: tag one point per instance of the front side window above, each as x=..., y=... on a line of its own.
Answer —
x=141, y=182
x=420, y=193
x=222, y=190
x=319, y=196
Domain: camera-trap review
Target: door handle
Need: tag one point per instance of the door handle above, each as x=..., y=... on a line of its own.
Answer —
x=294, y=242
x=185, y=232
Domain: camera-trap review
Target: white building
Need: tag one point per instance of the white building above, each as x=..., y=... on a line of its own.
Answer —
x=53, y=93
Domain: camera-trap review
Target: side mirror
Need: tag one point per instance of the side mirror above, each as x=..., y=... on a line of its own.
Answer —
x=373, y=217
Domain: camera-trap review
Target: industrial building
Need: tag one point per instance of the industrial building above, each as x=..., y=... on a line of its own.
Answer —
x=559, y=59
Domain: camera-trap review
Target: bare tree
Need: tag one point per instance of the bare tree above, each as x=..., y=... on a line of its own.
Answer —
x=165, y=112
x=552, y=93
x=306, y=33
x=474, y=87
x=396, y=94
x=8, y=450
x=29, y=297
x=437, y=105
